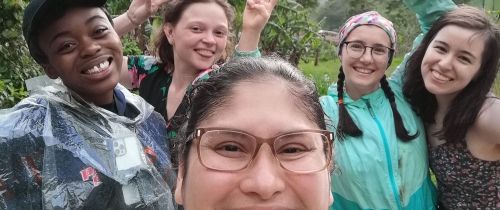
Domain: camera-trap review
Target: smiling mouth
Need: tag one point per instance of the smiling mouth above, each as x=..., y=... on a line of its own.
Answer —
x=99, y=67
x=440, y=77
x=363, y=70
x=206, y=53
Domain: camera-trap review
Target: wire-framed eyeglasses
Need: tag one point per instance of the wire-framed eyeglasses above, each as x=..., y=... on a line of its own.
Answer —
x=302, y=151
x=356, y=49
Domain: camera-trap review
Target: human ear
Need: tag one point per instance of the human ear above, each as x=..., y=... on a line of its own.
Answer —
x=178, y=187
x=168, y=30
x=50, y=71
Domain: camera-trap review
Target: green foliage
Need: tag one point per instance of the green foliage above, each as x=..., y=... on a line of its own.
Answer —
x=323, y=74
x=16, y=65
x=334, y=13
x=130, y=46
x=135, y=42
x=117, y=6
x=291, y=33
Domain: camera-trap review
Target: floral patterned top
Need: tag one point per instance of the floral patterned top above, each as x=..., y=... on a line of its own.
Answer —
x=152, y=80
x=464, y=182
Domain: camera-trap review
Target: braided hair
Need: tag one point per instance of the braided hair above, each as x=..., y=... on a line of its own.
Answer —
x=347, y=126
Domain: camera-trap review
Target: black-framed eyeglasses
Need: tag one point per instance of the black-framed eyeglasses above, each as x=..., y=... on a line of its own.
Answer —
x=301, y=151
x=356, y=49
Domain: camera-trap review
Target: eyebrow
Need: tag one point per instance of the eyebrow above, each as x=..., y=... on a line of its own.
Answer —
x=63, y=33
x=461, y=51
x=364, y=43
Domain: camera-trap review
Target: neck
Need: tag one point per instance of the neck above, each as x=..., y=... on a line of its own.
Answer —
x=182, y=79
x=443, y=104
x=101, y=99
x=356, y=92
x=183, y=74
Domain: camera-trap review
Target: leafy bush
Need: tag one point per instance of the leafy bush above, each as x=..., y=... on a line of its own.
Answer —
x=290, y=32
x=16, y=65
x=130, y=46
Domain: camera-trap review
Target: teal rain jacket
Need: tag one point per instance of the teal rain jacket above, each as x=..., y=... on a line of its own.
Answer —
x=377, y=170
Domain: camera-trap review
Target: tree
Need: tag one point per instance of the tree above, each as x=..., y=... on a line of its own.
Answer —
x=290, y=32
x=335, y=12
x=15, y=63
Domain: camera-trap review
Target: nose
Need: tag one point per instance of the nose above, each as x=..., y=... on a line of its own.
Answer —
x=446, y=62
x=367, y=56
x=264, y=178
x=209, y=38
x=89, y=47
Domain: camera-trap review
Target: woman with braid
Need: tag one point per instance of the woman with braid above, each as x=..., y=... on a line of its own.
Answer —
x=381, y=153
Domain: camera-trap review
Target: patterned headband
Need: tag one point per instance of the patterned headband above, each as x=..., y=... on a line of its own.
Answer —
x=368, y=18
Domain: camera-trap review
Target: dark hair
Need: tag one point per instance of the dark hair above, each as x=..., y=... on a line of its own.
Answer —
x=207, y=96
x=347, y=126
x=49, y=18
x=466, y=105
x=173, y=13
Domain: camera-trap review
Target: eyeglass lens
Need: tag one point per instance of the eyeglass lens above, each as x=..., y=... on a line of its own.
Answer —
x=231, y=150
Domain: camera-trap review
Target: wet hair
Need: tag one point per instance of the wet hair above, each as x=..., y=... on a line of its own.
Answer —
x=49, y=18
x=173, y=13
x=465, y=107
x=208, y=96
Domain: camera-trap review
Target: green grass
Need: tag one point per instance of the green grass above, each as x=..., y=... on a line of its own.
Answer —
x=326, y=73
x=323, y=75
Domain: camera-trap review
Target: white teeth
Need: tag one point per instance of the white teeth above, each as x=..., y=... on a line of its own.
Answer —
x=440, y=76
x=205, y=52
x=98, y=68
x=364, y=71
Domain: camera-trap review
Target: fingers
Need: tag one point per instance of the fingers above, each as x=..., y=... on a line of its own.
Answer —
x=271, y=4
x=262, y=5
x=158, y=3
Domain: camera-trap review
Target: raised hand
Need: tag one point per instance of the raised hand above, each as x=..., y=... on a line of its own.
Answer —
x=255, y=17
x=140, y=10
x=257, y=13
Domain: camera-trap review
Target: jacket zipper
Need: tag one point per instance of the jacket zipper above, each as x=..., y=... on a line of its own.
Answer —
x=388, y=155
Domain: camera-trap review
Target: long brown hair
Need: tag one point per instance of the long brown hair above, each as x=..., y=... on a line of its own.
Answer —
x=466, y=105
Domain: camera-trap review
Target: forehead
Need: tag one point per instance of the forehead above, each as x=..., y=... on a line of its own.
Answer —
x=461, y=40
x=265, y=107
x=369, y=34
x=209, y=12
x=74, y=17
x=464, y=36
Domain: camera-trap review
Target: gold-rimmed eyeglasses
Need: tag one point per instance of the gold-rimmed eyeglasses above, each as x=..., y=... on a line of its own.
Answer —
x=301, y=151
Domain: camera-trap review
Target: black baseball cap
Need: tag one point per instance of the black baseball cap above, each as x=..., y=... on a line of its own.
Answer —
x=38, y=10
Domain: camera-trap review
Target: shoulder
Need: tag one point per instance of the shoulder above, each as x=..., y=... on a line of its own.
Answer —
x=329, y=103
x=488, y=120
x=25, y=120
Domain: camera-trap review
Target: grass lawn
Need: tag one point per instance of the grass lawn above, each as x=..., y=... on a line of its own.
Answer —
x=326, y=73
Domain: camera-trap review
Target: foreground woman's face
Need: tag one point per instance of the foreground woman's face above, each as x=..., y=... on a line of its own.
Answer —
x=264, y=109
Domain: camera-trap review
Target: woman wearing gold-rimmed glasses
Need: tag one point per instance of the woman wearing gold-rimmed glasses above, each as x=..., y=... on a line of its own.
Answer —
x=255, y=139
